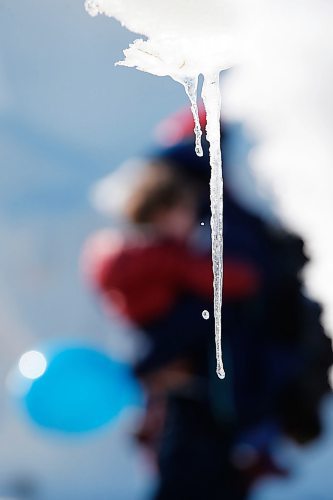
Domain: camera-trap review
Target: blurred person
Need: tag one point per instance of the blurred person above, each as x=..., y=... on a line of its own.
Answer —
x=211, y=438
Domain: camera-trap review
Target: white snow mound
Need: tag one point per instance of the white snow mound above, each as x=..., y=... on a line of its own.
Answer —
x=184, y=38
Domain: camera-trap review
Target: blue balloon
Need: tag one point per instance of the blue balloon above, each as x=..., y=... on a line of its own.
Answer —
x=78, y=388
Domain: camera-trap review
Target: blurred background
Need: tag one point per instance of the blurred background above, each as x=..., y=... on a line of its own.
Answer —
x=68, y=117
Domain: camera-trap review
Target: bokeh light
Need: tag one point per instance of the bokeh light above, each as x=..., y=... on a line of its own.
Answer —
x=32, y=364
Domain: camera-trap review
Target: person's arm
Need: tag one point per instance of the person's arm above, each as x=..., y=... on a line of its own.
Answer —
x=144, y=281
x=241, y=279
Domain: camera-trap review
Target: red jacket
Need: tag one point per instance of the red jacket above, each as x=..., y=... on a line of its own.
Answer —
x=143, y=280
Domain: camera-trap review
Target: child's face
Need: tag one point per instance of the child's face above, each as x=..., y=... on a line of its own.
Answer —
x=176, y=222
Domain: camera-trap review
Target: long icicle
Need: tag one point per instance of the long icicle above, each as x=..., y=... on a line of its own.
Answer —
x=191, y=88
x=212, y=100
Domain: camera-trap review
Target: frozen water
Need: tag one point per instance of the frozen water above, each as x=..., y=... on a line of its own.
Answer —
x=186, y=39
x=205, y=314
x=212, y=101
x=191, y=88
x=285, y=65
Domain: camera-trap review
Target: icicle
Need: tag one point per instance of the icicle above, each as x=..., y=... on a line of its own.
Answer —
x=212, y=101
x=191, y=87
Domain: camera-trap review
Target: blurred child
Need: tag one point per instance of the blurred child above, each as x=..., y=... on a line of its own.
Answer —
x=143, y=273
x=211, y=439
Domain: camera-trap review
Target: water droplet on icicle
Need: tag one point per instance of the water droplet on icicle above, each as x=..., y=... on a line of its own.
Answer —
x=205, y=314
x=191, y=88
x=212, y=100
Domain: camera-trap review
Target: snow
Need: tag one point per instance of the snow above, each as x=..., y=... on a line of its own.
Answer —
x=212, y=102
x=185, y=40
x=282, y=91
x=191, y=88
x=280, y=87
